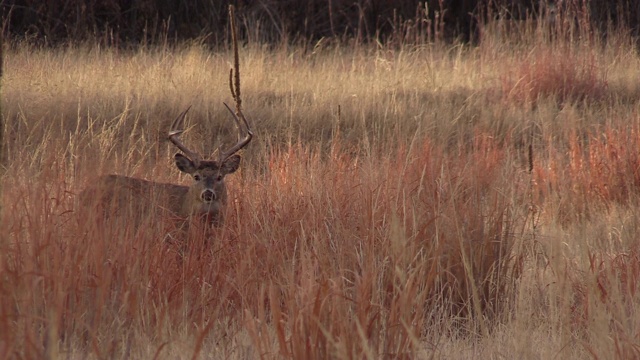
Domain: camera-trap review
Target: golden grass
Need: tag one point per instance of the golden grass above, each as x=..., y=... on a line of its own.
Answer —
x=384, y=210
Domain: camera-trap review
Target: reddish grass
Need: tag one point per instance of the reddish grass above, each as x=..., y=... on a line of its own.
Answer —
x=338, y=257
x=610, y=284
x=565, y=74
x=397, y=245
x=597, y=170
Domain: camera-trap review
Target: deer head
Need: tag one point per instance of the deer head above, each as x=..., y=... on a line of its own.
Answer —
x=207, y=195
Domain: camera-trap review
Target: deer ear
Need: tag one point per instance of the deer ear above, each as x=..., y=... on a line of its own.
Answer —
x=184, y=164
x=231, y=164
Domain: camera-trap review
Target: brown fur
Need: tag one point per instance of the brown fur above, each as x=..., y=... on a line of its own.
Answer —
x=137, y=199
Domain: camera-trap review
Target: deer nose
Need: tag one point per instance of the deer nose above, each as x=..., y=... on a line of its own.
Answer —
x=207, y=196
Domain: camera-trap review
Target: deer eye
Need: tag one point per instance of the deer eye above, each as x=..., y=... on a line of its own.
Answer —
x=196, y=177
x=219, y=178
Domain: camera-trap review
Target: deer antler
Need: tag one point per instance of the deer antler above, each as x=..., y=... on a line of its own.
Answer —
x=242, y=142
x=174, y=135
x=234, y=87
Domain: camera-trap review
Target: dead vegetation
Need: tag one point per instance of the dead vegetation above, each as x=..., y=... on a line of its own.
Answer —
x=386, y=209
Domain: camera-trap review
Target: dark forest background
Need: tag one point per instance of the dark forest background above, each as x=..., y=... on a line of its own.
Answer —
x=134, y=22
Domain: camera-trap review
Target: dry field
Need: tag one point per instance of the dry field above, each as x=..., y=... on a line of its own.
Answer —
x=443, y=202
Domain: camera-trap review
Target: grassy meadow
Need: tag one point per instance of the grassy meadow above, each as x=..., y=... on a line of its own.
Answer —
x=432, y=202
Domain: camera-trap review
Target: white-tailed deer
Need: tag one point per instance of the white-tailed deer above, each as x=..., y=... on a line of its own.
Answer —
x=134, y=199
x=205, y=199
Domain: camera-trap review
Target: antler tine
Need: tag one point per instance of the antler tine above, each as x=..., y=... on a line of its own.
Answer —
x=174, y=135
x=242, y=142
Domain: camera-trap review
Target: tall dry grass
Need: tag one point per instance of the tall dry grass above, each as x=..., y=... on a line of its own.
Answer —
x=385, y=210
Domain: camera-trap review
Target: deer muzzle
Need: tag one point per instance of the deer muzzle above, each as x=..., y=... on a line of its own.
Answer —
x=208, y=196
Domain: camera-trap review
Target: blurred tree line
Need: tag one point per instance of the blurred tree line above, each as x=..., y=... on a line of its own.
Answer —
x=134, y=22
